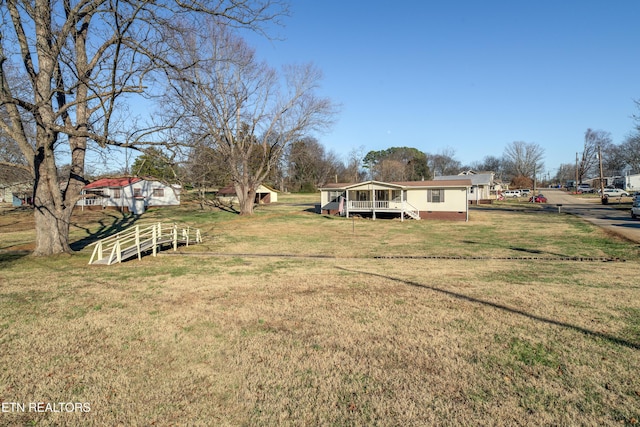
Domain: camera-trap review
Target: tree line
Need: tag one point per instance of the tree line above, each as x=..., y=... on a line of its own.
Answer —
x=617, y=159
x=305, y=165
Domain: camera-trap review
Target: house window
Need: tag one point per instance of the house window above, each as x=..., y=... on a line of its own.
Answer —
x=335, y=195
x=137, y=192
x=435, y=196
x=158, y=192
x=116, y=193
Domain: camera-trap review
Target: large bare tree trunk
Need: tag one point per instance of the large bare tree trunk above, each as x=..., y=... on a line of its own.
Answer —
x=52, y=226
x=51, y=215
x=246, y=198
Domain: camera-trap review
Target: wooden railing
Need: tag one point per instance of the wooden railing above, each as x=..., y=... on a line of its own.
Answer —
x=140, y=239
x=370, y=205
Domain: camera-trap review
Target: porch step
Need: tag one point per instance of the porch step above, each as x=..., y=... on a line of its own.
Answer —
x=413, y=214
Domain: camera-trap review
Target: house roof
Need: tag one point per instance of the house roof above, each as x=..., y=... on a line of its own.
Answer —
x=113, y=182
x=476, y=179
x=460, y=182
x=11, y=175
x=230, y=190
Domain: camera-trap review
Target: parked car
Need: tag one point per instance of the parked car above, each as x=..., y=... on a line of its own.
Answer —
x=538, y=199
x=635, y=209
x=511, y=193
x=614, y=192
x=525, y=192
x=585, y=188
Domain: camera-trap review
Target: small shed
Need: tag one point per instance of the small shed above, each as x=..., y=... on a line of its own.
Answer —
x=264, y=195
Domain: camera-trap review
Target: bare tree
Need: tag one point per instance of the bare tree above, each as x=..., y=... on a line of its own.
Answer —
x=237, y=105
x=566, y=172
x=489, y=164
x=353, y=171
x=310, y=166
x=614, y=159
x=588, y=160
x=631, y=149
x=444, y=163
x=77, y=60
x=523, y=159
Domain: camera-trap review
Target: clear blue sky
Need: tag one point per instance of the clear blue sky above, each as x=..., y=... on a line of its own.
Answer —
x=468, y=76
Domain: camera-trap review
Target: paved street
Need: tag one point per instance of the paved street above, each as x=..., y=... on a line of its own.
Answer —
x=605, y=216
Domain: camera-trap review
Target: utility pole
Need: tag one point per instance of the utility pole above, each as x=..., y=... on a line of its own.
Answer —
x=602, y=198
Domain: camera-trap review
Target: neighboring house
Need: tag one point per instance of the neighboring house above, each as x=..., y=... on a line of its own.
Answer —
x=264, y=195
x=631, y=182
x=129, y=194
x=412, y=199
x=16, y=186
x=482, y=185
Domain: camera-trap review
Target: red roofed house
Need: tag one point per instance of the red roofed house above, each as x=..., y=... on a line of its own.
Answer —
x=129, y=194
x=412, y=199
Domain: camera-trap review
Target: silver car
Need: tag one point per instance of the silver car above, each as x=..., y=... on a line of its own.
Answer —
x=635, y=209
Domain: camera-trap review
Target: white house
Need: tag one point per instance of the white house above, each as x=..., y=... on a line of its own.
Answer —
x=482, y=184
x=410, y=199
x=632, y=182
x=130, y=194
x=16, y=186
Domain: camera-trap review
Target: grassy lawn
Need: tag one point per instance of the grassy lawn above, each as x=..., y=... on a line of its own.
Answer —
x=293, y=318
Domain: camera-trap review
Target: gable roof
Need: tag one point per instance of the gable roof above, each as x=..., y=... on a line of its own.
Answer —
x=460, y=182
x=11, y=175
x=476, y=179
x=230, y=190
x=113, y=182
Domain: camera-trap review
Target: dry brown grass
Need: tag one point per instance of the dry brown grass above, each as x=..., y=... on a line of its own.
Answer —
x=271, y=340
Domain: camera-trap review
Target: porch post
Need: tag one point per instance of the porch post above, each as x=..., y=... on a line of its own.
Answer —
x=373, y=197
x=346, y=208
x=401, y=205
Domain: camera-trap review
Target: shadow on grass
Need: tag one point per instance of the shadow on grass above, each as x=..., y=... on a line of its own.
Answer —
x=518, y=249
x=105, y=229
x=9, y=257
x=504, y=308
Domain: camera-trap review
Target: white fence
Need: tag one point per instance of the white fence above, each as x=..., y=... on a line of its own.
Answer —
x=139, y=239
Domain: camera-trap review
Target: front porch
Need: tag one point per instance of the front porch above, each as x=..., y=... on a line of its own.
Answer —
x=386, y=207
x=370, y=199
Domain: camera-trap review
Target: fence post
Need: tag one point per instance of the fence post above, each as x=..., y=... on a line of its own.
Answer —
x=154, y=237
x=175, y=237
x=138, y=241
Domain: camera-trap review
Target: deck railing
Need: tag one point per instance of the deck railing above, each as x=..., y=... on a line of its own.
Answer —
x=139, y=239
x=382, y=205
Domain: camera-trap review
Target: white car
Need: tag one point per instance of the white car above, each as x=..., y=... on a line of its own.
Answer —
x=614, y=192
x=511, y=193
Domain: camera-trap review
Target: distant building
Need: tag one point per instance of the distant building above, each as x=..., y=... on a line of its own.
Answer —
x=482, y=185
x=264, y=195
x=129, y=194
x=16, y=186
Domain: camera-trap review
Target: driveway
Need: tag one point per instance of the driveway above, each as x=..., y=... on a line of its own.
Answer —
x=604, y=216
